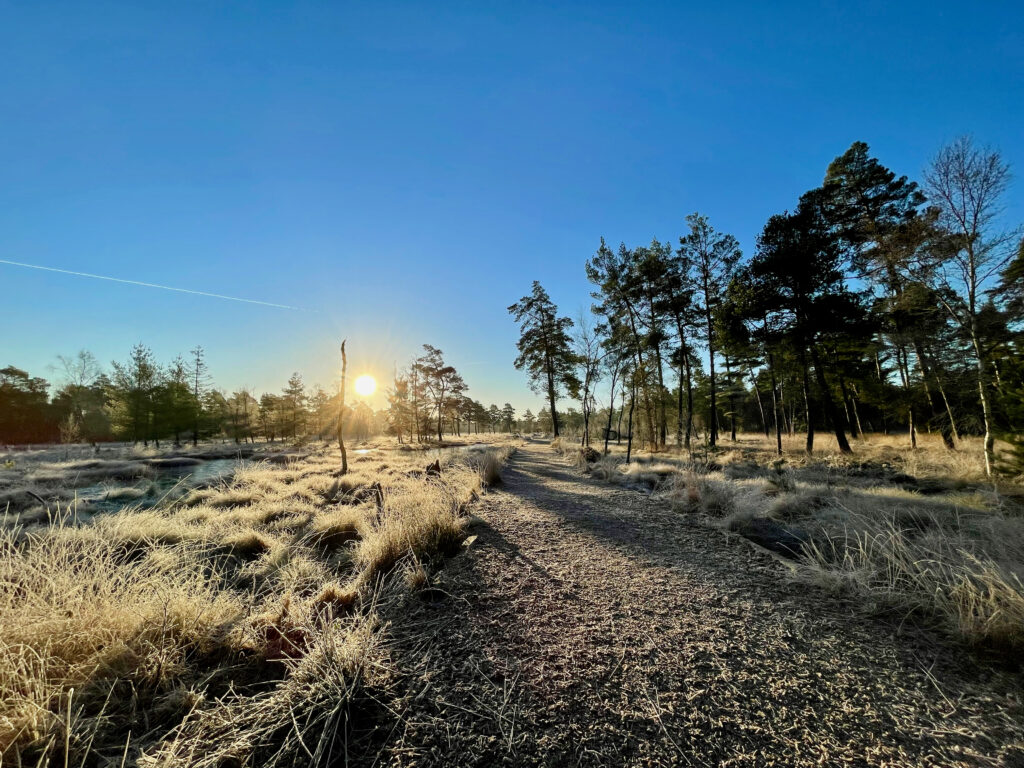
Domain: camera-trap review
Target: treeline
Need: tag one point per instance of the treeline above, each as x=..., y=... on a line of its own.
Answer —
x=875, y=304
x=428, y=398
x=142, y=401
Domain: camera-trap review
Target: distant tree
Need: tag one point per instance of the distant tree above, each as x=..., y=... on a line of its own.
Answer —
x=267, y=415
x=216, y=412
x=798, y=274
x=319, y=410
x=294, y=400
x=508, y=417
x=678, y=304
x=966, y=184
x=80, y=374
x=589, y=353
x=81, y=398
x=341, y=409
x=134, y=383
x=480, y=415
x=463, y=410
x=545, y=349
x=400, y=421
x=712, y=258
x=199, y=376
x=880, y=220
x=616, y=361
x=441, y=381
x=175, y=398
x=243, y=408
x=753, y=321
x=623, y=279
x=741, y=355
x=529, y=421
x=362, y=418
x=24, y=408
x=544, y=420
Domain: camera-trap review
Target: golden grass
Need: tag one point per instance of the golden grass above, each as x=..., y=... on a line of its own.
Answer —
x=423, y=524
x=141, y=620
x=338, y=527
x=488, y=463
x=303, y=721
x=77, y=613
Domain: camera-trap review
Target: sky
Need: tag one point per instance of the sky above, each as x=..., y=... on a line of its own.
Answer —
x=400, y=173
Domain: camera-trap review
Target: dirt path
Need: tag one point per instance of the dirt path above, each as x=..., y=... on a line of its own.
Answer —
x=587, y=625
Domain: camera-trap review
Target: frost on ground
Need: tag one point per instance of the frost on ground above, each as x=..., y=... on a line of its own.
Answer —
x=595, y=625
x=525, y=614
x=239, y=624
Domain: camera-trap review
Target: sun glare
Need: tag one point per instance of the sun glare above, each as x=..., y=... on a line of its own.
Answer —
x=366, y=385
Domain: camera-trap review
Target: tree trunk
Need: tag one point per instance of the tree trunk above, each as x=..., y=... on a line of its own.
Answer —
x=928, y=371
x=679, y=411
x=809, y=444
x=652, y=431
x=440, y=417
x=776, y=403
x=551, y=396
x=341, y=412
x=662, y=412
x=856, y=413
x=684, y=366
x=618, y=424
x=611, y=411
x=689, y=401
x=831, y=412
x=732, y=401
x=713, y=424
x=760, y=406
x=903, y=364
x=986, y=409
x=954, y=433
x=848, y=407
x=629, y=438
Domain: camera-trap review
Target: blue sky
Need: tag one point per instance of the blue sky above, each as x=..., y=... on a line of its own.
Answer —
x=403, y=172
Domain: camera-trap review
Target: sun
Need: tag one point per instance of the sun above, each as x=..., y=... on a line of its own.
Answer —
x=366, y=385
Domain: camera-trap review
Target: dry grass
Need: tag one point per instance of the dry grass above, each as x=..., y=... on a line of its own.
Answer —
x=161, y=631
x=919, y=533
x=959, y=565
x=488, y=462
x=425, y=524
x=79, y=612
x=337, y=527
x=303, y=721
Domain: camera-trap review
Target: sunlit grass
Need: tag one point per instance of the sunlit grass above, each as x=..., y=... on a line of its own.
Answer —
x=126, y=623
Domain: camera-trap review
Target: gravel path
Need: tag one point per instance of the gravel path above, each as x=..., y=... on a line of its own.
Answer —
x=588, y=625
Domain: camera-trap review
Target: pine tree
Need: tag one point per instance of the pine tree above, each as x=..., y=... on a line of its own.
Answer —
x=712, y=257
x=545, y=349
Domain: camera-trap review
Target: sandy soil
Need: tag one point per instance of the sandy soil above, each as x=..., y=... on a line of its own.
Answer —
x=590, y=625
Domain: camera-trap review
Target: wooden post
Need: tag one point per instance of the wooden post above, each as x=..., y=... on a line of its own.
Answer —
x=341, y=412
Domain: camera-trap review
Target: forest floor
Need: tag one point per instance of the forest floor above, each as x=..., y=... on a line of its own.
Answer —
x=591, y=624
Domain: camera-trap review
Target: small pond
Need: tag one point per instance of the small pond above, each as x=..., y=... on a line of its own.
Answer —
x=145, y=492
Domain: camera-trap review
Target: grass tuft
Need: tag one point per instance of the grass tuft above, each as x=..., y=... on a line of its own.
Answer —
x=208, y=627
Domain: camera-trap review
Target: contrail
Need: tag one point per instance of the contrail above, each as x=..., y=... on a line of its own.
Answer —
x=146, y=285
